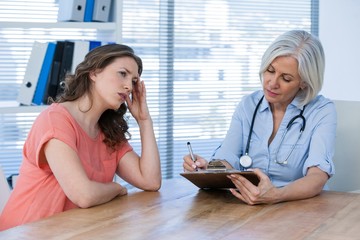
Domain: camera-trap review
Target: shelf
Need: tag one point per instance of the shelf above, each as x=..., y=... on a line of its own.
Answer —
x=13, y=107
x=111, y=26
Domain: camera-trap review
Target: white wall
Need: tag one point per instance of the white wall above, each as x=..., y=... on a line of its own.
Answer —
x=339, y=32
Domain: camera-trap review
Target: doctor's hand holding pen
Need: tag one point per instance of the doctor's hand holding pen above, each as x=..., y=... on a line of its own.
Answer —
x=193, y=162
x=190, y=165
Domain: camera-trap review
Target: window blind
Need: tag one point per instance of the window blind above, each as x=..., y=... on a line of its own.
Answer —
x=21, y=23
x=200, y=58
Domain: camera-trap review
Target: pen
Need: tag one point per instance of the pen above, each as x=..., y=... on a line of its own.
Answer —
x=191, y=152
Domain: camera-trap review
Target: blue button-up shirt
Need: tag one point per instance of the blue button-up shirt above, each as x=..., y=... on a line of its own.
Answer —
x=314, y=148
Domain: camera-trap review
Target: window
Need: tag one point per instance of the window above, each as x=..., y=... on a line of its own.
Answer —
x=17, y=35
x=200, y=58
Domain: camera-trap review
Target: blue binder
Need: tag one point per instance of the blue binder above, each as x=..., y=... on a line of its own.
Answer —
x=44, y=74
x=89, y=9
x=94, y=44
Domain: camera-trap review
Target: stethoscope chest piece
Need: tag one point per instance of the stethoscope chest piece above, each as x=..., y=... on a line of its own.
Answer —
x=245, y=161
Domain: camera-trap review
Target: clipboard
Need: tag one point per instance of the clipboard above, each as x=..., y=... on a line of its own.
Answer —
x=217, y=179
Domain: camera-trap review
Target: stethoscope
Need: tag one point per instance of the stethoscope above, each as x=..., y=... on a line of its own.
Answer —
x=246, y=160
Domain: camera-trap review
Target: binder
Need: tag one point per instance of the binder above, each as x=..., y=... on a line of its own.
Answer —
x=66, y=64
x=89, y=9
x=71, y=10
x=44, y=74
x=94, y=44
x=81, y=48
x=101, y=10
x=32, y=72
x=51, y=87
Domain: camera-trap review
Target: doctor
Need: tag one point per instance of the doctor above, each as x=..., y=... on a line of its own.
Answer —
x=285, y=132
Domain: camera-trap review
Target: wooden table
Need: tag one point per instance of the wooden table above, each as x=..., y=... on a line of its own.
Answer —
x=182, y=211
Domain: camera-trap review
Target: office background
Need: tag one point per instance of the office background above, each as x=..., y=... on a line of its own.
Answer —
x=340, y=34
x=203, y=106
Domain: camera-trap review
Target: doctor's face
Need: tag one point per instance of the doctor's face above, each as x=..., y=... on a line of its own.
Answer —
x=281, y=81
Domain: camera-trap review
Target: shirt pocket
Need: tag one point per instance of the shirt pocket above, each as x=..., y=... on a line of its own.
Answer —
x=293, y=149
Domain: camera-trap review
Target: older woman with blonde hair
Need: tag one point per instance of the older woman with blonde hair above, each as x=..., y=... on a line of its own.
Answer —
x=285, y=132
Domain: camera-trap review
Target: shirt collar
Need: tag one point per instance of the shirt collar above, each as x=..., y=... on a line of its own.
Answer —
x=265, y=104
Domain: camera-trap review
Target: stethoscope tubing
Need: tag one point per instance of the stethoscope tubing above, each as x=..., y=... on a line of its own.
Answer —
x=252, y=126
x=300, y=115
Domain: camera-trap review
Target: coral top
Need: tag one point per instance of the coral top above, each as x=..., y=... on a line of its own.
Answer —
x=37, y=193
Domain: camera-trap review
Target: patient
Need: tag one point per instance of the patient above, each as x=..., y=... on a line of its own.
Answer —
x=78, y=144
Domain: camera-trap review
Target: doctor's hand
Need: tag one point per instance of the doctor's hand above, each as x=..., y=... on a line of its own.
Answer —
x=190, y=166
x=264, y=193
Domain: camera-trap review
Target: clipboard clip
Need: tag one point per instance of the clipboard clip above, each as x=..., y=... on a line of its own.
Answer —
x=217, y=164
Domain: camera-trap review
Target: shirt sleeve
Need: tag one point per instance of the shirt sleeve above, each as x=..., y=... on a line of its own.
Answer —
x=322, y=145
x=57, y=125
x=46, y=124
x=228, y=150
x=234, y=143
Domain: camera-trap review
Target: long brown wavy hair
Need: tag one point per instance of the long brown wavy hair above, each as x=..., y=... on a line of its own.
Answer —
x=112, y=122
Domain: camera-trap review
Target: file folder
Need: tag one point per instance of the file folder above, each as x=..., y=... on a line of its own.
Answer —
x=71, y=10
x=81, y=48
x=66, y=64
x=101, y=10
x=89, y=9
x=44, y=74
x=94, y=44
x=51, y=87
x=32, y=73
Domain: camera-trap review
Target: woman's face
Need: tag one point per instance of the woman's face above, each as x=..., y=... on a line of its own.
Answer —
x=115, y=82
x=281, y=81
